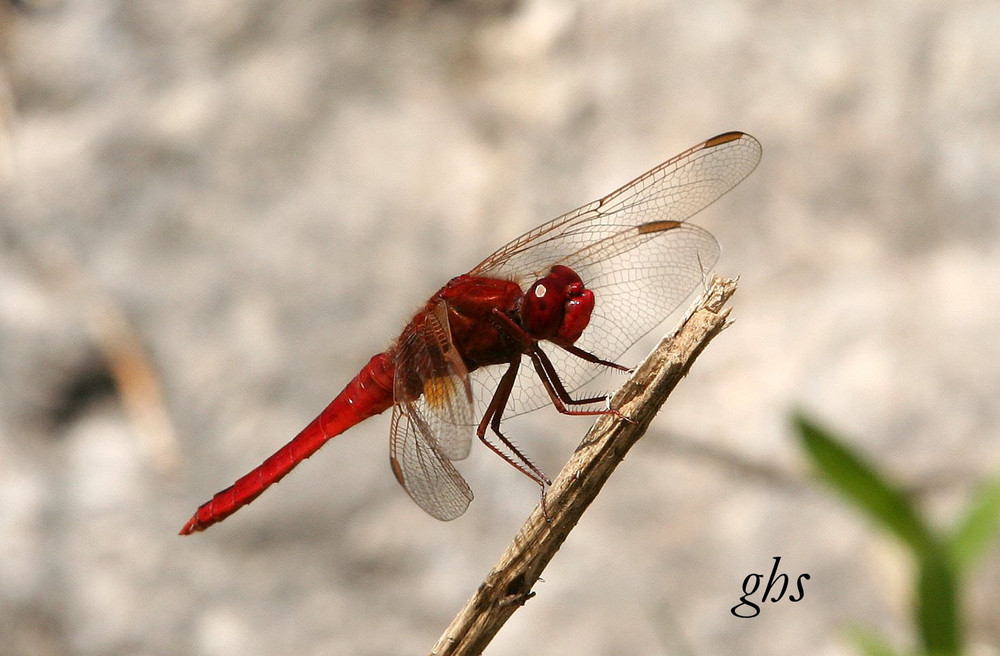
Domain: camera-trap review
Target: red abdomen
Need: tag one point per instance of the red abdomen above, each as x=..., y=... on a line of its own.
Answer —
x=368, y=394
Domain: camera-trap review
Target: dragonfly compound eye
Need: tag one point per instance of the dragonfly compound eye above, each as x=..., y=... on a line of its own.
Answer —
x=542, y=309
x=557, y=307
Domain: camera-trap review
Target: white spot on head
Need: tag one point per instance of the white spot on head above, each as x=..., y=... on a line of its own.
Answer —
x=540, y=291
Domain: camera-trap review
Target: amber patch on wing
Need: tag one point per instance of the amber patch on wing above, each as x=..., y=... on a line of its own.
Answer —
x=438, y=390
x=658, y=226
x=723, y=139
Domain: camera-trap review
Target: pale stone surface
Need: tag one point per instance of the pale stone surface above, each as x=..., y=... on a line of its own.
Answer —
x=268, y=189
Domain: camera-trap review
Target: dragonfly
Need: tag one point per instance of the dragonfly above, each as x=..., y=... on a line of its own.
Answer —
x=532, y=324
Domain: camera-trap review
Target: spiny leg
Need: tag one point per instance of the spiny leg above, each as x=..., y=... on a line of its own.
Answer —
x=590, y=357
x=547, y=373
x=492, y=417
x=557, y=391
x=554, y=386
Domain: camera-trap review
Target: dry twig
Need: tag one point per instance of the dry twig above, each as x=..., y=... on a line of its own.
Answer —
x=509, y=584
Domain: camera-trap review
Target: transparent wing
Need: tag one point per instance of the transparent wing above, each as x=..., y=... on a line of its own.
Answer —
x=632, y=249
x=432, y=384
x=431, y=417
x=423, y=471
x=673, y=191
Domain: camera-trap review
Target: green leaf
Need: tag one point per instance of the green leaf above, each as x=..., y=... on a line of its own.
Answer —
x=863, y=486
x=937, y=606
x=978, y=528
x=870, y=643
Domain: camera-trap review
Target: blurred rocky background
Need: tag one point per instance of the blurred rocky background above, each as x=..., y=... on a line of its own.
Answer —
x=213, y=213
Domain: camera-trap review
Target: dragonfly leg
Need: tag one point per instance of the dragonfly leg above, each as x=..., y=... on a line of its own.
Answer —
x=590, y=357
x=491, y=419
x=557, y=391
x=546, y=371
x=561, y=398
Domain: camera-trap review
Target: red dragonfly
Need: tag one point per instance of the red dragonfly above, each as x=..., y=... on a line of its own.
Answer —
x=591, y=282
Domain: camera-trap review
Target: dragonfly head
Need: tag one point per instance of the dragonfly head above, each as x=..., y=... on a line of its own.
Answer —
x=557, y=307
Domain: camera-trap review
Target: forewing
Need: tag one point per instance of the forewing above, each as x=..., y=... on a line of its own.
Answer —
x=423, y=471
x=673, y=191
x=632, y=249
x=432, y=383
